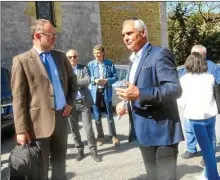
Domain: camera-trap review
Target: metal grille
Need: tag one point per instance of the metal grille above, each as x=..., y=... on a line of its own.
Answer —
x=44, y=10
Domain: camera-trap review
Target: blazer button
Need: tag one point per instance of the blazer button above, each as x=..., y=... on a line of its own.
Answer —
x=52, y=95
x=53, y=109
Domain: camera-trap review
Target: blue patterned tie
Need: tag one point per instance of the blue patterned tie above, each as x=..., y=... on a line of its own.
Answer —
x=44, y=57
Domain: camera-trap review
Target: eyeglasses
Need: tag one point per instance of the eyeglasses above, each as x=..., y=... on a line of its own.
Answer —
x=49, y=34
x=70, y=57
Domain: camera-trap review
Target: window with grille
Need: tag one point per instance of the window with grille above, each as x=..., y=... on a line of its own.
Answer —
x=45, y=10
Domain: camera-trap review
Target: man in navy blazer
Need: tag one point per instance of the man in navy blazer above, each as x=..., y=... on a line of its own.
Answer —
x=152, y=91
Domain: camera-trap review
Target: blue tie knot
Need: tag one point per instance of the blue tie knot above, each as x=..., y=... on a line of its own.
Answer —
x=44, y=55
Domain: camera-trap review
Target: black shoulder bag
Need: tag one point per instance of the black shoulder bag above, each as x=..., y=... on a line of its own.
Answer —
x=25, y=163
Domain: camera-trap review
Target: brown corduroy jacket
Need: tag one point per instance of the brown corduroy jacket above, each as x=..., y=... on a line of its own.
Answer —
x=33, y=94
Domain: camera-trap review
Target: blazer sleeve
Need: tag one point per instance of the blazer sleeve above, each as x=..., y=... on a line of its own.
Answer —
x=89, y=71
x=84, y=80
x=169, y=87
x=215, y=71
x=113, y=79
x=72, y=83
x=19, y=86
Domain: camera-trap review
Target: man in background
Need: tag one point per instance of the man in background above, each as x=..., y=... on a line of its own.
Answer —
x=82, y=108
x=102, y=74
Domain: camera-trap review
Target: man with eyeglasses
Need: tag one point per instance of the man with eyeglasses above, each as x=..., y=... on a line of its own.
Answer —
x=44, y=90
x=152, y=91
x=82, y=107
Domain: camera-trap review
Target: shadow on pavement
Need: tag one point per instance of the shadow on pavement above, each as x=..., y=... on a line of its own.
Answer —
x=124, y=146
x=4, y=174
x=70, y=175
x=70, y=156
x=181, y=171
x=184, y=169
x=71, y=146
x=141, y=177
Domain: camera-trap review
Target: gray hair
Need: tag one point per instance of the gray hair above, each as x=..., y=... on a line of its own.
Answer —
x=37, y=26
x=200, y=49
x=138, y=24
x=72, y=50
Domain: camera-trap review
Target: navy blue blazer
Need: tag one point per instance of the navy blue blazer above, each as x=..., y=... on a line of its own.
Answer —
x=154, y=117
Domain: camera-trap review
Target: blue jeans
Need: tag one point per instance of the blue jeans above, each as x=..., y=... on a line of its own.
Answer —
x=204, y=130
x=191, y=140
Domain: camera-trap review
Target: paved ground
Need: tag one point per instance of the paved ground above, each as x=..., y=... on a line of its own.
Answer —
x=120, y=163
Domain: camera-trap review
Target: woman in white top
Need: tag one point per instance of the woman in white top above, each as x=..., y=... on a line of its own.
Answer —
x=200, y=108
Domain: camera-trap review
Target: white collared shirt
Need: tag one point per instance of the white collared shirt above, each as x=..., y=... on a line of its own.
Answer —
x=101, y=72
x=38, y=50
x=135, y=58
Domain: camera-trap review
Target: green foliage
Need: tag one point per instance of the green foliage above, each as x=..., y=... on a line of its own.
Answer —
x=187, y=27
x=212, y=43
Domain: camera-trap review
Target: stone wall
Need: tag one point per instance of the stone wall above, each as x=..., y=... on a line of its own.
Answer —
x=15, y=33
x=81, y=25
x=112, y=15
x=78, y=26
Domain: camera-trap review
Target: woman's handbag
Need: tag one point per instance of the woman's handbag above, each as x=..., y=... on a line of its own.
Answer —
x=217, y=96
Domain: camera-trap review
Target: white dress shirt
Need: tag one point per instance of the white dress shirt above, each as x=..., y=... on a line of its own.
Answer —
x=135, y=58
x=101, y=72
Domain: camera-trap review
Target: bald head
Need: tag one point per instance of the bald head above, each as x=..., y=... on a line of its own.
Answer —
x=72, y=55
x=200, y=49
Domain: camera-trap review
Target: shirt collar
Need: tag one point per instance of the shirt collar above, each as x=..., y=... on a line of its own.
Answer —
x=75, y=67
x=38, y=50
x=138, y=55
x=97, y=63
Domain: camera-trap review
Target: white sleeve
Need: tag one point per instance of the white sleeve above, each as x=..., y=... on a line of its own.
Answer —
x=182, y=100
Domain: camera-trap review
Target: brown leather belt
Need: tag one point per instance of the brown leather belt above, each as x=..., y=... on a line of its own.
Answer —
x=79, y=101
x=100, y=89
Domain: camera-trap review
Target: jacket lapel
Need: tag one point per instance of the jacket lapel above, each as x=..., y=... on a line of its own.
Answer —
x=78, y=70
x=35, y=58
x=58, y=61
x=104, y=69
x=145, y=53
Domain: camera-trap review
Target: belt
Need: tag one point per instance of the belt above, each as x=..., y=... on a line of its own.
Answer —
x=79, y=101
x=100, y=89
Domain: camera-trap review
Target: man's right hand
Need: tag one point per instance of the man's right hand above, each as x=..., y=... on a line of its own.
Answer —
x=97, y=81
x=23, y=138
x=120, y=109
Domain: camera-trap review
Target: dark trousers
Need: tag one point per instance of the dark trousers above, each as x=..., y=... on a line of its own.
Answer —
x=85, y=113
x=55, y=146
x=160, y=161
x=97, y=109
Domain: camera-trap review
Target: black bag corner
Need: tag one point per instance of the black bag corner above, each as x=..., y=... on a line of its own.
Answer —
x=25, y=163
x=217, y=96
